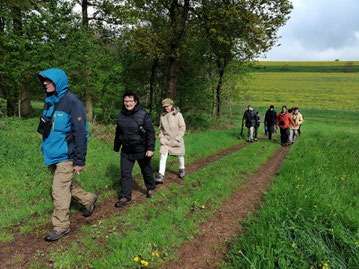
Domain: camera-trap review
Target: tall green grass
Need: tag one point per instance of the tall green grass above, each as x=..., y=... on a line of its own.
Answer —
x=310, y=216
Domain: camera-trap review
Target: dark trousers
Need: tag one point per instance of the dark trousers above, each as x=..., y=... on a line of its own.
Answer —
x=270, y=130
x=284, y=135
x=256, y=131
x=126, y=175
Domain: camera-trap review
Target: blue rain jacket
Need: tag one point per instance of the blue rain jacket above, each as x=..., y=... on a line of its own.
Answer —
x=69, y=131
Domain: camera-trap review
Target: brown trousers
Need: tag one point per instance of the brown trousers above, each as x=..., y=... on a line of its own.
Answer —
x=63, y=189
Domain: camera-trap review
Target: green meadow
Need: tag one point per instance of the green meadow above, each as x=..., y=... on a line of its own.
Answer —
x=308, y=218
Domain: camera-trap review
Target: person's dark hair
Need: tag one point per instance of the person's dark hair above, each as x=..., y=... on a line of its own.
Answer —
x=284, y=106
x=130, y=93
x=272, y=106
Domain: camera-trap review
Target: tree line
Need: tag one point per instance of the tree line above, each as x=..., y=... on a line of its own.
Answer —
x=193, y=51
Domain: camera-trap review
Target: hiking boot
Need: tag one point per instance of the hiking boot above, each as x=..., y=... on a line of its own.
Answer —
x=123, y=201
x=89, y=210
x=56, y=235
x=150, y=193
x=159, y=179
x=181, y=173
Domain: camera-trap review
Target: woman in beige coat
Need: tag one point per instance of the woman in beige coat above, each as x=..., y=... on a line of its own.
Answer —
x=172, y=129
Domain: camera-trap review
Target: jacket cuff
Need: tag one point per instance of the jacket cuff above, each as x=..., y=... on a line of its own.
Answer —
x=79, y=163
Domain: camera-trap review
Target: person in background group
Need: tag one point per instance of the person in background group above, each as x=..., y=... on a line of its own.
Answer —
x=283, y=120
x=265, y=125
x=258, y=123
x=299, y=131
x=64, y=145
x=172, y=130
x=270, y=120
x=298, y=120
x=250, y=119
x=135, y=136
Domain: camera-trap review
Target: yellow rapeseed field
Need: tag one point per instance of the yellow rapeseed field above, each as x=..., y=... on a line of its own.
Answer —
x=327, y=91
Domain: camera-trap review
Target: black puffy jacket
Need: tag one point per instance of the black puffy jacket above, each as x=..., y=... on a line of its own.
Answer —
x=128, y=134
x=271, y=117
x=250, y=117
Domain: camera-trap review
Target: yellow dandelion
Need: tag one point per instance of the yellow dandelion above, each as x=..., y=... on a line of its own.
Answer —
x=143, y=262
x=240, y=251
x=136, y=259
x=149, y=244
x=325, y=266
x=297, y=186
x=300, y=209
x=157, y=254
x=315, y=206
x=357, y=243
x=293, y=245
x=153, y=254
x=169, y=207
x=203, y=206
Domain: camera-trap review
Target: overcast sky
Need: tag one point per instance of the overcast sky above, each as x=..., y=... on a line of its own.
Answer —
x=319, y=30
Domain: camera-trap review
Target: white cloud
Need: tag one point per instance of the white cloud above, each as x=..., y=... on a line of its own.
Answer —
x=320, y=30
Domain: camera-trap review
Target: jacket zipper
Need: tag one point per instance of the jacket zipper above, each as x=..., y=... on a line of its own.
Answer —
x=53, y=124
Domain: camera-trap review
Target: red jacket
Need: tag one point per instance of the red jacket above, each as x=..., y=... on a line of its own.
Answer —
x=284, y=119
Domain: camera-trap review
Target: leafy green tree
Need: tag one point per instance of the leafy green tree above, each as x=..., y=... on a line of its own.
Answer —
x=240, y=30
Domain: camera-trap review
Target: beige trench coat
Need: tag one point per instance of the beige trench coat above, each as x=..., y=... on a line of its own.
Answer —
x=172, y=129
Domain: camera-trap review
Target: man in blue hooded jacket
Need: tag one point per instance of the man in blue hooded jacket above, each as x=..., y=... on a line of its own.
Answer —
x=64, y=146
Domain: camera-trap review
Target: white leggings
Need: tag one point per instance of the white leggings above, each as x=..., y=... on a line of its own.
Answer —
x=163, y=160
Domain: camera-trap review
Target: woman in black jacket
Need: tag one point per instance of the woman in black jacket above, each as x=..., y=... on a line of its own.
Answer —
x=135, y=136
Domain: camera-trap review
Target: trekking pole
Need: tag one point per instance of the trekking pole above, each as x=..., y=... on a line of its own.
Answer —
x=242, y=130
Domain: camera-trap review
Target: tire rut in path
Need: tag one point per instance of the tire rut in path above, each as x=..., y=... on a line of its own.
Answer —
x=25, y=247
x=208, y=250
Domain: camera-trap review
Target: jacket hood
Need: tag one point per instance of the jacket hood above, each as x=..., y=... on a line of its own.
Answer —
x=58, y=77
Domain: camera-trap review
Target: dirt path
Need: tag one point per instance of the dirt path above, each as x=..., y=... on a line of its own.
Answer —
x=208, y=249
x=25, y=247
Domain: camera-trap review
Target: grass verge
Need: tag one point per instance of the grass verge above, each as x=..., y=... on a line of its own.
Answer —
x=309, y=218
